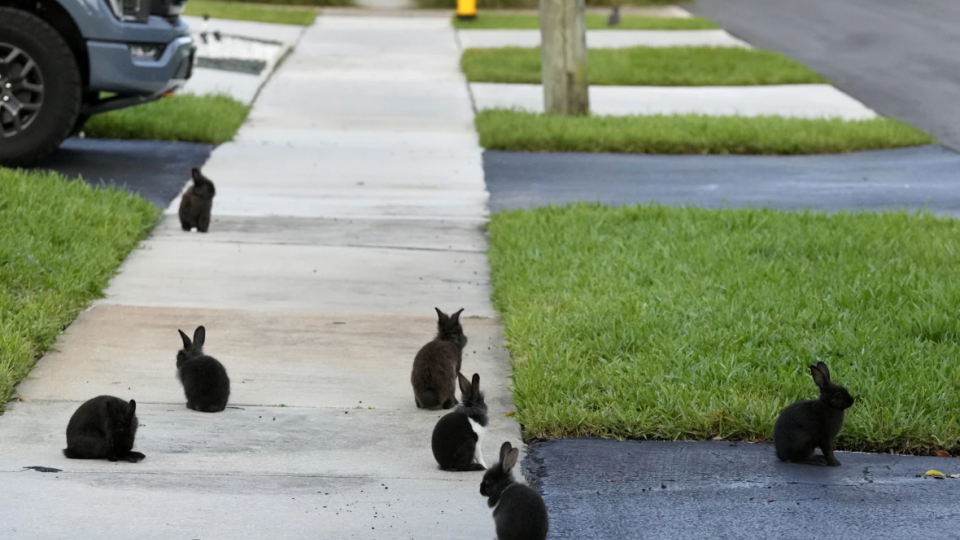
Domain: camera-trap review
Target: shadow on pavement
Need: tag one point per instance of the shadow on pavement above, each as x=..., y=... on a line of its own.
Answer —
x=157, y=170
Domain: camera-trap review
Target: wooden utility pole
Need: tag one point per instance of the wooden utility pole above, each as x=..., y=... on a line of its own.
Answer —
x=563, y=55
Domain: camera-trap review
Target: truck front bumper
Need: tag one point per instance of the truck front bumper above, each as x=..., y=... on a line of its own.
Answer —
x=114, y=68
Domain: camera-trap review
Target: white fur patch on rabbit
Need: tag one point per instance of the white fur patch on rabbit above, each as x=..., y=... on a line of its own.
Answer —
x=480, y=431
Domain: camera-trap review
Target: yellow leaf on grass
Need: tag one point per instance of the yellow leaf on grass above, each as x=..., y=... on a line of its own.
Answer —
x=510, y=414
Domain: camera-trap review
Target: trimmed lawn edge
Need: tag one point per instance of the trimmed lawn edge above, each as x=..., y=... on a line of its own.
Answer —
x=646, y=66
x=595, y=21
x=501, y=129
x=246, y=11
x=684, y=323
x=64, y=240
x=209, y=119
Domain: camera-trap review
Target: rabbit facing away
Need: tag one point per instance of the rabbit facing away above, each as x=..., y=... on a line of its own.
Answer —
x=205, y=380
x=437, y=363
x=807, y=425
x=197, y=202
x=103, y=428
x=519, y=512
x=458, y=435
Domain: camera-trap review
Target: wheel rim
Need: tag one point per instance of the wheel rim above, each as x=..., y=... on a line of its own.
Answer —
x=21, y=90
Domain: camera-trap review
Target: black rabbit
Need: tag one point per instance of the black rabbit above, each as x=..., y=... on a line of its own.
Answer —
x=437, y=363
x=807, y=425
x=103, y=428
x=204, y=379
x=518, y=510
x=458, y=436
x=197, y=202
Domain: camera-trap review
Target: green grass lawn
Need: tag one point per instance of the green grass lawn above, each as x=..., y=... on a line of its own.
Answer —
x=61, y=243
x=530, y=21
x=646, y=66
x=690, y=134
x=189, y=118
x=683, y=323
x=243, y=11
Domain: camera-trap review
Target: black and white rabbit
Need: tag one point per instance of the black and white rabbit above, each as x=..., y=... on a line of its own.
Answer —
x=437, y=363
x=807, y=425
x=103, y=428
x=458, y=436
x=204, y=379
x=518, y=510
x=197, y=202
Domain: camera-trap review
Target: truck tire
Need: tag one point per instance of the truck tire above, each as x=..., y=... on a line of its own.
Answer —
x=40, y=88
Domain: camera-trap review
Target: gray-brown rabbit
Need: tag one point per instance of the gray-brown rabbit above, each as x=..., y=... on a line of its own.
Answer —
x=197, y=202
x=437, y=363
x=807, y=425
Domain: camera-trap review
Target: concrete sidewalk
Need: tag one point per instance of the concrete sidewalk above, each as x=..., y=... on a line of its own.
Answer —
x=789, y=100
x=242, y=62
x=349, y=206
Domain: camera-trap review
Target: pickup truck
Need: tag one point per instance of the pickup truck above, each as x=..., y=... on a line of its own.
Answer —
x=62, y=61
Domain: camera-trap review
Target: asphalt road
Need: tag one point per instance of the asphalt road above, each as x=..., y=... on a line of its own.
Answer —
x=898, y=57
x=604, y=489
x=911, y=178
x=157, y=170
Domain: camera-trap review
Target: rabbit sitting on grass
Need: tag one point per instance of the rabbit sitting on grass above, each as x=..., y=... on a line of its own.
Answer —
x=103, y=428
x=807, y=425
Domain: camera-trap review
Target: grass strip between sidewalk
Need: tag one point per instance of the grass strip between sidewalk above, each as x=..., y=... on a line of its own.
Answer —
x=242, y=11
x=188, y=118
x=646, y=66
x=687, y=323
x=530, y=21
x=690, y=134
x=535, y=4
x=62, y=241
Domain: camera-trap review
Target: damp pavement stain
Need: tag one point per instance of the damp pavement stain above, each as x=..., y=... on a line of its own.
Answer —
x=602, y=489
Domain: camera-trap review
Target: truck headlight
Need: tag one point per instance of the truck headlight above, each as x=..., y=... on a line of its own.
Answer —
x=130, y=10
x=147, y=51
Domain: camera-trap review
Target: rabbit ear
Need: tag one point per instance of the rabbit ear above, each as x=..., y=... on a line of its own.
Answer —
x=504, y=448
x=186, y=341
x=819, y=377
x=824, y=369
x=511, y=459
x=132, y=408
x=197, y=175
x=475, y=385
x=442, y=316
x=464, y=384
x=199, y=335
x=456, y=316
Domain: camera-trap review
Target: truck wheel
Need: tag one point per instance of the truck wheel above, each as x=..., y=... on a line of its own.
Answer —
x=40, y=88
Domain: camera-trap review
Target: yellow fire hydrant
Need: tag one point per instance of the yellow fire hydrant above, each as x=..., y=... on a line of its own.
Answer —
x=466, y=9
